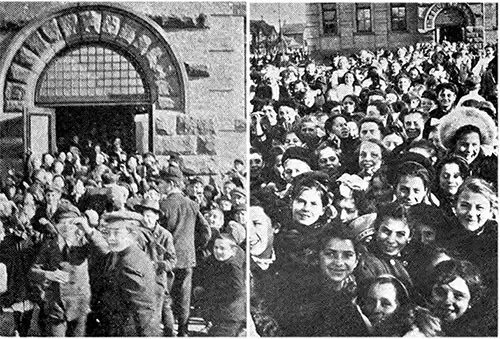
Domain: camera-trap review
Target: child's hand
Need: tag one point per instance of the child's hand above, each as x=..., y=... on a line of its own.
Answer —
x=57, y=276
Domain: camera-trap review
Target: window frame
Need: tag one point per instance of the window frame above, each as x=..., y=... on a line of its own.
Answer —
x=399, y=23
x=364, y=7
x=334, y=22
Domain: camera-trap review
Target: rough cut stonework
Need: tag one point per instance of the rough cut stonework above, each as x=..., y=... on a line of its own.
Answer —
x=192, y=125
x=142, y=43
x=183, y=144
x=51, y=31
x=165, y=124
x=91, y=22
x=206, y=145
x=69, y=24
x=201, y=116
x=110, y=25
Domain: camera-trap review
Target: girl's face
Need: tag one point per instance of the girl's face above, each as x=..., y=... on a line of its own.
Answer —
x=381, y=302
x=450, y=301
x=349, y=106
x=468, y=146
x=450, y=178
x=347, y=210
x=338, y=259
x=292, y=140
x=307, y=207
x=294, y=167
x=349, y=78
x=328, y=159
x=370, y=156
x=392, y=236
x=473, y=210
x=410, y=190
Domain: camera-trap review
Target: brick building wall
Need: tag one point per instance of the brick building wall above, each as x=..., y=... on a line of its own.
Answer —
x=348, y=40
x=201, y=115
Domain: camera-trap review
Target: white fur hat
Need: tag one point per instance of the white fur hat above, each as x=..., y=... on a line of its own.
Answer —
x=463, y=116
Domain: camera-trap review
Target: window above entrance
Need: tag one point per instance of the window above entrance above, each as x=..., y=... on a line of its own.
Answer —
x=90, y=74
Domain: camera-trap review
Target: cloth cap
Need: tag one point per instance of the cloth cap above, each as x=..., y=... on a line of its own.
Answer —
x=362, y=227
x=172, y=174
x=133, y=219
x=66, y=210
x=148, y=204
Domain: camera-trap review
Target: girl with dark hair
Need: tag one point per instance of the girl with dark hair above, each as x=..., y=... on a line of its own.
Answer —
x=468, y=132
x=454, y=293
x=350, y=104
x=388, y=252
x=451, y=173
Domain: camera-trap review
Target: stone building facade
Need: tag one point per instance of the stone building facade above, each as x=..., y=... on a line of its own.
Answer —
x=169, y=76
x=349, y=27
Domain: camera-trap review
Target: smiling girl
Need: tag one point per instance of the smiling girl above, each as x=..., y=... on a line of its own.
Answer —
x=372, y=154
x=310, y=198
x=476, y=232
x=385, y=252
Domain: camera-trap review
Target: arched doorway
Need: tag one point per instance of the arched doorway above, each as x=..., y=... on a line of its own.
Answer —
x=450, y=24
x=96, y=93
x=90, y=69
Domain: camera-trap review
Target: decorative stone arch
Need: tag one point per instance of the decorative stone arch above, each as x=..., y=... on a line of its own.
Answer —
x=432, y=13
x=113, y=26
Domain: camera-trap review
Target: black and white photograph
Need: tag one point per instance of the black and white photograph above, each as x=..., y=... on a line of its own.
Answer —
x=373, y=169
x=123, y=170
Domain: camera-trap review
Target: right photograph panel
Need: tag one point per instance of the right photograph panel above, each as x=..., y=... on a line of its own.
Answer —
x=374, y=170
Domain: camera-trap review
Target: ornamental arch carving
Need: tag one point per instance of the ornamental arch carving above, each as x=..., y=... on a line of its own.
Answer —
x=36, y=45
x=429, y=22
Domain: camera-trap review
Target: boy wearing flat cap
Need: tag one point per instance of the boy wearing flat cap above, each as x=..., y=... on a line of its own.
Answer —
x=60, y=273
x=128, y=278
x=164, y=262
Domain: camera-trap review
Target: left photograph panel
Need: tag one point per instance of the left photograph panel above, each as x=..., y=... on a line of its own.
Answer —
x=123, y=169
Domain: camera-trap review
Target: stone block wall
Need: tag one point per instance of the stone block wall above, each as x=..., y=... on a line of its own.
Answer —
x=207, y=129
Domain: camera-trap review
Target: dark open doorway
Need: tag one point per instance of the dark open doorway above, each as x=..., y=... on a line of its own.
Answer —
x=451, y=33
x=100, y=124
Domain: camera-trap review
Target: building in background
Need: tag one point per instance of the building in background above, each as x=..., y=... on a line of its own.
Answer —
x=165, y=77
x=349, y=27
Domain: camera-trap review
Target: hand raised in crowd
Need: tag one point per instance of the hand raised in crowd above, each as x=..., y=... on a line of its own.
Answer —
x=57, y=276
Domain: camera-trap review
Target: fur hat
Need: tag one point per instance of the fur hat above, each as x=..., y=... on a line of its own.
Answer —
x=463, y=116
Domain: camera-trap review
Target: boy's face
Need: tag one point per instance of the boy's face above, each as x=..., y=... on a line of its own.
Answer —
x=215, y=219
x=223, y=249
x=118, y=236
x=151, y=217
x=68, y=230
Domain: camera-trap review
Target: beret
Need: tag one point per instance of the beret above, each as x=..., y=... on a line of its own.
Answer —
x=299, y=153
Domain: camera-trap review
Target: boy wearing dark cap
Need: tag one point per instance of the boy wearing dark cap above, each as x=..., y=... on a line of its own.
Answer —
x=296, y=160
x=164, y=262
x=61, y=275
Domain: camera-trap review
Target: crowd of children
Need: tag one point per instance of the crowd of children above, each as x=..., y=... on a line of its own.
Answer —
x=104, y=243
x=373, y=194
